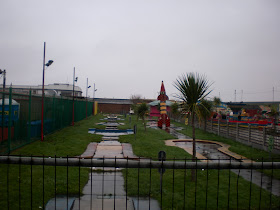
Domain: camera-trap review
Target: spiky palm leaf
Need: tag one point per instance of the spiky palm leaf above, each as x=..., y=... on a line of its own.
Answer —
x=193, y=88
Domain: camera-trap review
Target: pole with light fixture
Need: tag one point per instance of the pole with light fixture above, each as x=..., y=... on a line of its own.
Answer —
x=3, y=101
x=75, y=79
x=43, y=91
x=94, y=90
x=87, y=96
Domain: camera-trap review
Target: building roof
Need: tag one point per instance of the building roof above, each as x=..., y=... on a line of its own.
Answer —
x=113, y=101
x=7, y=102
x=55, y=86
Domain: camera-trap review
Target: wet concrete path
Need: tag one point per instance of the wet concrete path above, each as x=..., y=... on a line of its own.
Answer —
x=105, y=187
x=211, y=151
x=104, y=191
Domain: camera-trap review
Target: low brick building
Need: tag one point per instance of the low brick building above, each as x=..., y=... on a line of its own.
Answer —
x=113, y=106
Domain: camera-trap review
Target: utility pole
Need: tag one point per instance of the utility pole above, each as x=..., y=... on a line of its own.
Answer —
x=87, y=95
x=43, y=90
x=73, y=109
x=234, y=95
x=273, y=94
x=3, y=101
x=241, y=95
x=94, y=90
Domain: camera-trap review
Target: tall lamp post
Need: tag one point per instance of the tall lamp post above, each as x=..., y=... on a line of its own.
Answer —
x=3, y=101
x=75, y=79
x=87, y=95
x=94, y=90
x=43, y=90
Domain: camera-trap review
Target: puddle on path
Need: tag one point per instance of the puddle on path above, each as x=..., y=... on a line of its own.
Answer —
x=211, y=152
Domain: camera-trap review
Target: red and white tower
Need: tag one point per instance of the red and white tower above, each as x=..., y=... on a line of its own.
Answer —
x=163, y=120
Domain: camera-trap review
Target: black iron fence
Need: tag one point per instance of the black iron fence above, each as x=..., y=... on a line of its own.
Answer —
x=75, y=183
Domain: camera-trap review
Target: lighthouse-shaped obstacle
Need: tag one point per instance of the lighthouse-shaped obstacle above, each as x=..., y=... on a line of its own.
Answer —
x=163, y=121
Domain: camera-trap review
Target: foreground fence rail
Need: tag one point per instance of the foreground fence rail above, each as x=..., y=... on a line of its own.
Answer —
x=75, y=183
x=130, y=163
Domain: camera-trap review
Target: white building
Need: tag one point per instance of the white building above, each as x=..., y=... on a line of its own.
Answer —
x=56, y=89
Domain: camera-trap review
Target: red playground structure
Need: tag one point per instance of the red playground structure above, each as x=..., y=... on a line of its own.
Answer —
x=163, y=121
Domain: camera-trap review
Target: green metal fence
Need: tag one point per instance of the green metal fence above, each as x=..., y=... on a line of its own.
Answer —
x=21, y=121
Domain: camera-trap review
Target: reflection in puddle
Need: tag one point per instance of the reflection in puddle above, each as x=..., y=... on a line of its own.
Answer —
x=211, y=151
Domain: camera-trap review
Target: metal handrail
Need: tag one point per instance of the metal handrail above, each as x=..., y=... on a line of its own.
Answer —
x=135, y=163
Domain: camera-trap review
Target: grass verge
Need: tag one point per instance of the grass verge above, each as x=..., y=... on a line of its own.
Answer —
x=31, y=180
x=178, y=189
x=236, y=147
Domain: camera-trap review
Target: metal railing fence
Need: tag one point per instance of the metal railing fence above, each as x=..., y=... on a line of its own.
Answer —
x=21, y=121
x=71, y=183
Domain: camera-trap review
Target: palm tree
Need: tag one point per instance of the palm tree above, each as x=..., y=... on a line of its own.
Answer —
x=193, y=88
x=206, y=106
x=142, y=110
x=175, y=110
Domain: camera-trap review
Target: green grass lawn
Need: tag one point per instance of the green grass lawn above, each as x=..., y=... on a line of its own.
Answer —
x=237, y=147
x=149, y=143
x=73, y=141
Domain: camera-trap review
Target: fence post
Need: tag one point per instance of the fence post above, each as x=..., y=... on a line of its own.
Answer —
x=218, y=127
x=53, y=113
x=249, y=132
x=237, y=131
x=10, y=121
x=29, y=116
x=3, y=114
x=264, y=136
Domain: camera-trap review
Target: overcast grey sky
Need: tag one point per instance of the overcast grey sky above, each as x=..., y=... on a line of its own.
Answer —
x=128, y=47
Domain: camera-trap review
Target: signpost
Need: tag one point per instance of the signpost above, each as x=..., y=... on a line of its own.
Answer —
x=161, y=157
x=135, y=131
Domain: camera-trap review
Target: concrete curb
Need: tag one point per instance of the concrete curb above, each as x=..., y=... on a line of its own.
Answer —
x=224, y=149
x=90, y=151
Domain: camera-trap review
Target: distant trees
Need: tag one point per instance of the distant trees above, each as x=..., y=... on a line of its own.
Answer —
x=175, y=110
x=193, y=88
x=217, y=101
x=205, y=107
x=135, y=99
x=274, y=114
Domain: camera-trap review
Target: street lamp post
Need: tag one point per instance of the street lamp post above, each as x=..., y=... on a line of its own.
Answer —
x=75, y=79
x=3, y=101
x=87, y=95
x=43, y=91
x=94, y=90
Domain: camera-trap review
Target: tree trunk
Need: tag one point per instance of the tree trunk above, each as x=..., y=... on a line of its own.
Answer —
x=194, y=148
